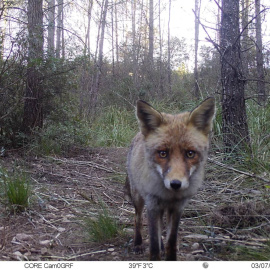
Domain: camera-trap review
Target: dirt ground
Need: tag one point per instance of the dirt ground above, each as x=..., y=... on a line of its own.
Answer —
x=226, y=220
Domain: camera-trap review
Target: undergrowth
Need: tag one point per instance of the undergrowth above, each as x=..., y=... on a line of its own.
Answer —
x=57, y=138
x=15, y=190
x=115, y=126
x=259, y=126
x=103, y=227
x=244, y=253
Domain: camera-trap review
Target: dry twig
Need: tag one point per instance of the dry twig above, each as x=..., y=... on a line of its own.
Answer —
x=238, y=171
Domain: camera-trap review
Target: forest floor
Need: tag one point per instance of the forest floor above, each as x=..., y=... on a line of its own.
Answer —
x=229, y=218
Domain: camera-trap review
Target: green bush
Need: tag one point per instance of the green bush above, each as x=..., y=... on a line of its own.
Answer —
x=57, y=138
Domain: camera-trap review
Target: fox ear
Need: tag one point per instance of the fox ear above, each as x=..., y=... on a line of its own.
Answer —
x=202, y=116
x=148, y=117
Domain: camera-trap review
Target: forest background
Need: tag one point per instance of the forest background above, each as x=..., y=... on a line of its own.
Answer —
x=71, y=71
x=70, y=74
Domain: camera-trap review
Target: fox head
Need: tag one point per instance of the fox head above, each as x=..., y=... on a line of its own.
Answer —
x=176, y=145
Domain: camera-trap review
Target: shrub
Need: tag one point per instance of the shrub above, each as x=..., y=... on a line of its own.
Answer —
x=102, y=228
x=15, y=190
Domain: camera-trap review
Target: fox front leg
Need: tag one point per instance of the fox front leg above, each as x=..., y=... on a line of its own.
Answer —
x=138, y=245
x=154, y=226
x=173, y=219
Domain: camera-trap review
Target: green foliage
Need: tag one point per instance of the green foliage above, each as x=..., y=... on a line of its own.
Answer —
x=102, y=228
x=58, y=101
x=250, y=254
x=57, y=138
x=11, y=105
x=15, y=189
x=259, y=126
x=257, y=160
x=114, y=127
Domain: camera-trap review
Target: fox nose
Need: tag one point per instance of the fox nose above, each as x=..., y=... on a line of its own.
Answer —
x=175, y=184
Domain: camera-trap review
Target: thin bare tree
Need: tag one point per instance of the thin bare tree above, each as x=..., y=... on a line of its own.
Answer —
x=197, y=24
x=151, y=32
x=60, y=29
x=99, y=63
x=169, y=49
x=89, y=17
x=259, y=55
x=51, y=27
x=245, y=35
x=161, y=76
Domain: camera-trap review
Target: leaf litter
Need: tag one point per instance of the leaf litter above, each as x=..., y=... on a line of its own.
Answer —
x=228, y=217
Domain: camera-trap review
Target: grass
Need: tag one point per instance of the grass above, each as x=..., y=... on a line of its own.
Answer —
x=259, y=126
x=103, y=227
x=253, y=254
x=244, y=253
x=15, y=190
x=115, y=127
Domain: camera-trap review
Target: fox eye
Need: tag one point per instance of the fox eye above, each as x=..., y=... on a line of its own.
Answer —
x=163, y=154
x=190, y=154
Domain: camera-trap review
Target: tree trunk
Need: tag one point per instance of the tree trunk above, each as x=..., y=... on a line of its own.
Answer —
x=234, y=119
x=59, y=35
x=95, y=89
x=51, y=27
x=161, y=77
x=113, y=54
x=2, y=29
x=169, y=50
x=89, y=17
x=33, y=111
x=151, y=32
x=259, y=56
x=150, y=59
x=101, y=41
x=116, y=35
x=134, y=46
x=218, y=23
x=63, y=33
x=245, y=38
x=196, y=75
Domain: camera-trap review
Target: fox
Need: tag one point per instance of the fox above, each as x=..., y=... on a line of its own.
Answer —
x=165, y=168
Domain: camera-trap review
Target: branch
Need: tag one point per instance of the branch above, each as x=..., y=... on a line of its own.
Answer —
x=256, y=80
x=255, y=17
x=238, y=171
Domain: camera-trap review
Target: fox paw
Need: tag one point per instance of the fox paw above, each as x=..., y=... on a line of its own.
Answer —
x=139, y=249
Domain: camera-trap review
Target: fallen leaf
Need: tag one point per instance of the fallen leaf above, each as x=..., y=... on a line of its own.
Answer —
x=45, y=242
x=23, y=237
x=18, y=255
